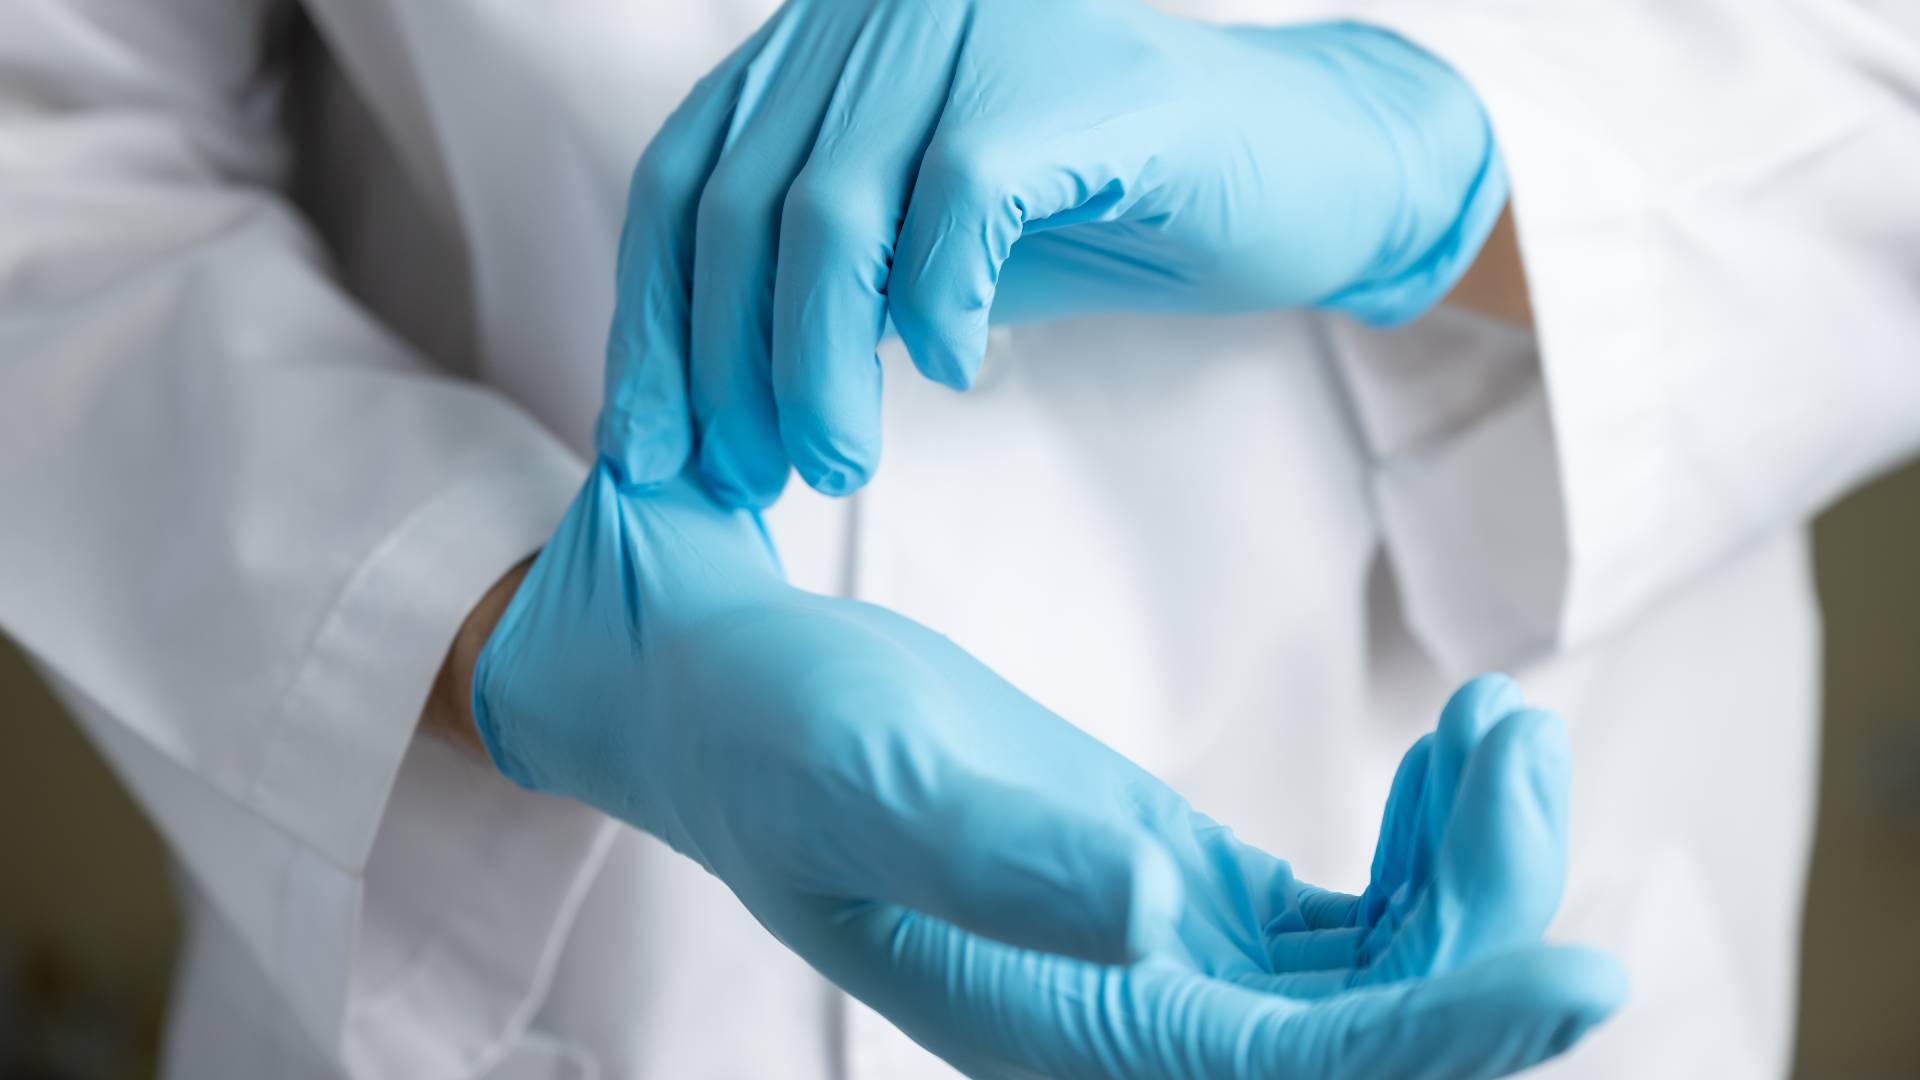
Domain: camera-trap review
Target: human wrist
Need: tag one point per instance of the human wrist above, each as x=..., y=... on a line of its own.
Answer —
x=1496, y=284
x=449, y=710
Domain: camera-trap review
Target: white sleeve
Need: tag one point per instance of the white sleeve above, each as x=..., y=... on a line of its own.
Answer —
x=242, y=523
x=1718, y=205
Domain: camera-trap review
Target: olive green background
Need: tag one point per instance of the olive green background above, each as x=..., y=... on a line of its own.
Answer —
x=88, y=925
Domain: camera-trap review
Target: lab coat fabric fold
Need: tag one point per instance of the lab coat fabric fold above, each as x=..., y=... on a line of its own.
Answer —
x=258, y=456
x=1714, y=208
x=243, y=521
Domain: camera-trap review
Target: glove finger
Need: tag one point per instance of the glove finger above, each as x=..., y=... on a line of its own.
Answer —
x=783, y=96
x=1325, y=909
x=1465, y=720
x=1400, y=865
x=1496, y=1017
x=1316, y=950
x=644, y=428
x=838, y=233
x=1307, y=910
x=986, y=179
x=1503, y=862
x=1399, y=832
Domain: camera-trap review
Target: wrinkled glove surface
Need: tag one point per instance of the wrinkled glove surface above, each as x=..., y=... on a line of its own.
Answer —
x=1012, y=893
x=947, y=160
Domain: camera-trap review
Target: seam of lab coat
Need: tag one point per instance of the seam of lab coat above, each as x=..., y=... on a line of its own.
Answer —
x=463, y=969
x=312, y=888
x=340, y=607
x=358, y=694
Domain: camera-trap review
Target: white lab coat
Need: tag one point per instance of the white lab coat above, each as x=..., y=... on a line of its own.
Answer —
x=256, y=463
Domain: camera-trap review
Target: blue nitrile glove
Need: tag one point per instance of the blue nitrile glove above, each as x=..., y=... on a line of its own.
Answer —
x=861, y=157
x=953, y=854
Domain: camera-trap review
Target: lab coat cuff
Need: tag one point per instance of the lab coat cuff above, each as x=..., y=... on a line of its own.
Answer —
x=352, y=711
x=1659, y=258
x=461, y=885
x=471, y=892
x=1580, y=207
x=1466, y=481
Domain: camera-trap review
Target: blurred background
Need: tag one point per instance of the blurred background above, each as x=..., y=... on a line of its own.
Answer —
x=88, y=925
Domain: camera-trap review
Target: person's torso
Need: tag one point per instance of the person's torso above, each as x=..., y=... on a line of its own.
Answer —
x=1161, y=528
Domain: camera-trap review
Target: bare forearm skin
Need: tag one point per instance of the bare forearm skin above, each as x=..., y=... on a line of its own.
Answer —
x=449, y=709
x=1496, y=283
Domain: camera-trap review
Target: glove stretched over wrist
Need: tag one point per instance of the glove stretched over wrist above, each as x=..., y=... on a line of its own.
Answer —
x=1009, y=891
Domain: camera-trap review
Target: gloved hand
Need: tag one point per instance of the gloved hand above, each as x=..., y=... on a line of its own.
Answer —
x=947, y=850
x=860, y=157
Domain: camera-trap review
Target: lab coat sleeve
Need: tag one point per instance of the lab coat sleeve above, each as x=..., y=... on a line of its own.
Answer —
x=239, y=526
x=1716, y=205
